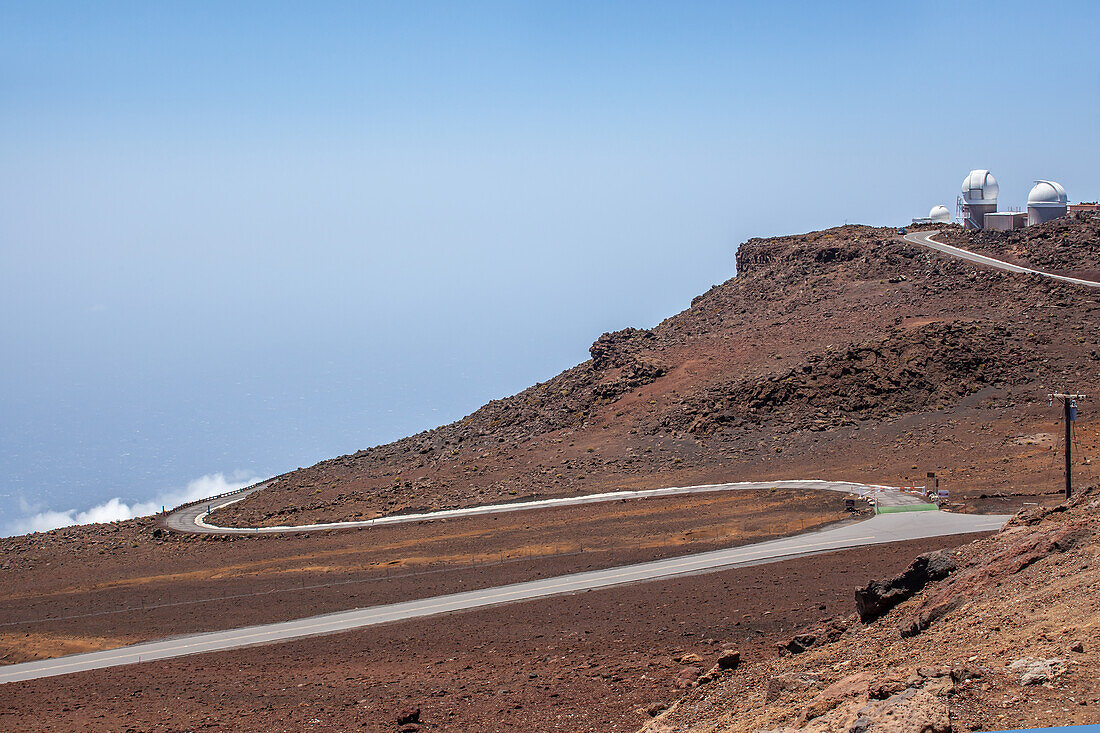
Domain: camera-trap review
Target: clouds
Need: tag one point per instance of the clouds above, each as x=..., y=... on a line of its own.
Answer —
x=116, y=509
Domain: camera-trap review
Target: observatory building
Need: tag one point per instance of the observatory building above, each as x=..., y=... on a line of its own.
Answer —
x=1046, y=201
x=1005, y=221
x=939, y=215
x=976, y=208
x=979, y=197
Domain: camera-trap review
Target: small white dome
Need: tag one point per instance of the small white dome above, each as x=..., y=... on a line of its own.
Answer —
x=940, y=214
x=980, y=187
x=1047, y=193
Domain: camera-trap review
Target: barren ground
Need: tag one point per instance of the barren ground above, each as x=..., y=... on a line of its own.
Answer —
x=172, y=584
x=839, y=354
x=1066, y=246
x=585, y=662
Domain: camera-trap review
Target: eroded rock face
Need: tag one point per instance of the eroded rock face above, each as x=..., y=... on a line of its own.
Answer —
x=618, y=348
x=1030, y=548
x=901, y=370
x=876, y=598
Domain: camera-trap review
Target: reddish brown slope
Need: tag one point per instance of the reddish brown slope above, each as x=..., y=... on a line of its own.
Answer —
x=844, y=352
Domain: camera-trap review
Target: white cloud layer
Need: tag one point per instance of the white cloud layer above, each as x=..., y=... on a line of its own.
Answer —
x=115, y=509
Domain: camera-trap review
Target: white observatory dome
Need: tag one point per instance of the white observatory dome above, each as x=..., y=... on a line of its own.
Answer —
x=940, y=214
x=980, y=187
x=1047, y=193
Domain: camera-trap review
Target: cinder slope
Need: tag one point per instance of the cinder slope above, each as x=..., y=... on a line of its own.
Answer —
x=838, y=353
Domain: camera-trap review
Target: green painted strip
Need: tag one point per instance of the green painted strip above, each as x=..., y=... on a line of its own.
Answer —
x=907, y=508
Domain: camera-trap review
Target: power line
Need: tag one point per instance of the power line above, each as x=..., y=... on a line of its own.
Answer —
x=1085, y=460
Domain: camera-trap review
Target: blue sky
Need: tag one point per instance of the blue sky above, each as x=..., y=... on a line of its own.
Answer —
x=238, y=238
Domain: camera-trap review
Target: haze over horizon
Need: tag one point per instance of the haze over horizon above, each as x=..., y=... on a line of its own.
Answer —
x=237, y=240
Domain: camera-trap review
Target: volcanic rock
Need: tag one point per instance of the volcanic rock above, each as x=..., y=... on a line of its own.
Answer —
x=877, y=598
x=729, y=660
x=1035, y=671
x=408, y=715
x=825, y=633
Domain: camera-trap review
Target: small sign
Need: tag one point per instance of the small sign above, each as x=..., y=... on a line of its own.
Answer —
x=942, y=493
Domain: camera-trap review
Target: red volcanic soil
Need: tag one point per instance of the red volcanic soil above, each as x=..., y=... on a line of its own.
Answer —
x=587, y=662
x=1007, y=639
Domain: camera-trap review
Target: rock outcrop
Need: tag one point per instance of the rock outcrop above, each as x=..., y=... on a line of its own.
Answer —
x=876, y=598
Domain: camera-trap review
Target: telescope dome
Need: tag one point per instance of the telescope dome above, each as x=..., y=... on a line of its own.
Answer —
x=1047, y=193
x=980, y=187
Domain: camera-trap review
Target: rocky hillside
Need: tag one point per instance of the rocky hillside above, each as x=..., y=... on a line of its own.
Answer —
x=1002, y=633
x=847, y=336
x=1066, y=246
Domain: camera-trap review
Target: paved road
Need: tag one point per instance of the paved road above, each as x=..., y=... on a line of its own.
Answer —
x=193, y=518
x=880, y=529
x=924, y=239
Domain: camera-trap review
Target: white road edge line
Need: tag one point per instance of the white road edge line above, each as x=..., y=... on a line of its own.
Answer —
x=199, y=521
x=924, y=239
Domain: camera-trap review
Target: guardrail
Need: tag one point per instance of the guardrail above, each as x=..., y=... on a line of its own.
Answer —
x=222, y=495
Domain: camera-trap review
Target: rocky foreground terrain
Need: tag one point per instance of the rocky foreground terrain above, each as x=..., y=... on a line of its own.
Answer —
x=1000, y=633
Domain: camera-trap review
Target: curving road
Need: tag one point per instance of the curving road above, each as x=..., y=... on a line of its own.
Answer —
x=924, y=239
x=880, y=529
x=192, y=518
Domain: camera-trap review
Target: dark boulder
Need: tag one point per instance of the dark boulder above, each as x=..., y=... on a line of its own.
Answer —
x=875, y=599
x=729, y=659
x=619, y=348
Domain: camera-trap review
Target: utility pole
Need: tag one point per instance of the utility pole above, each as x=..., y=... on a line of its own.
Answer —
x=1069, y=412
